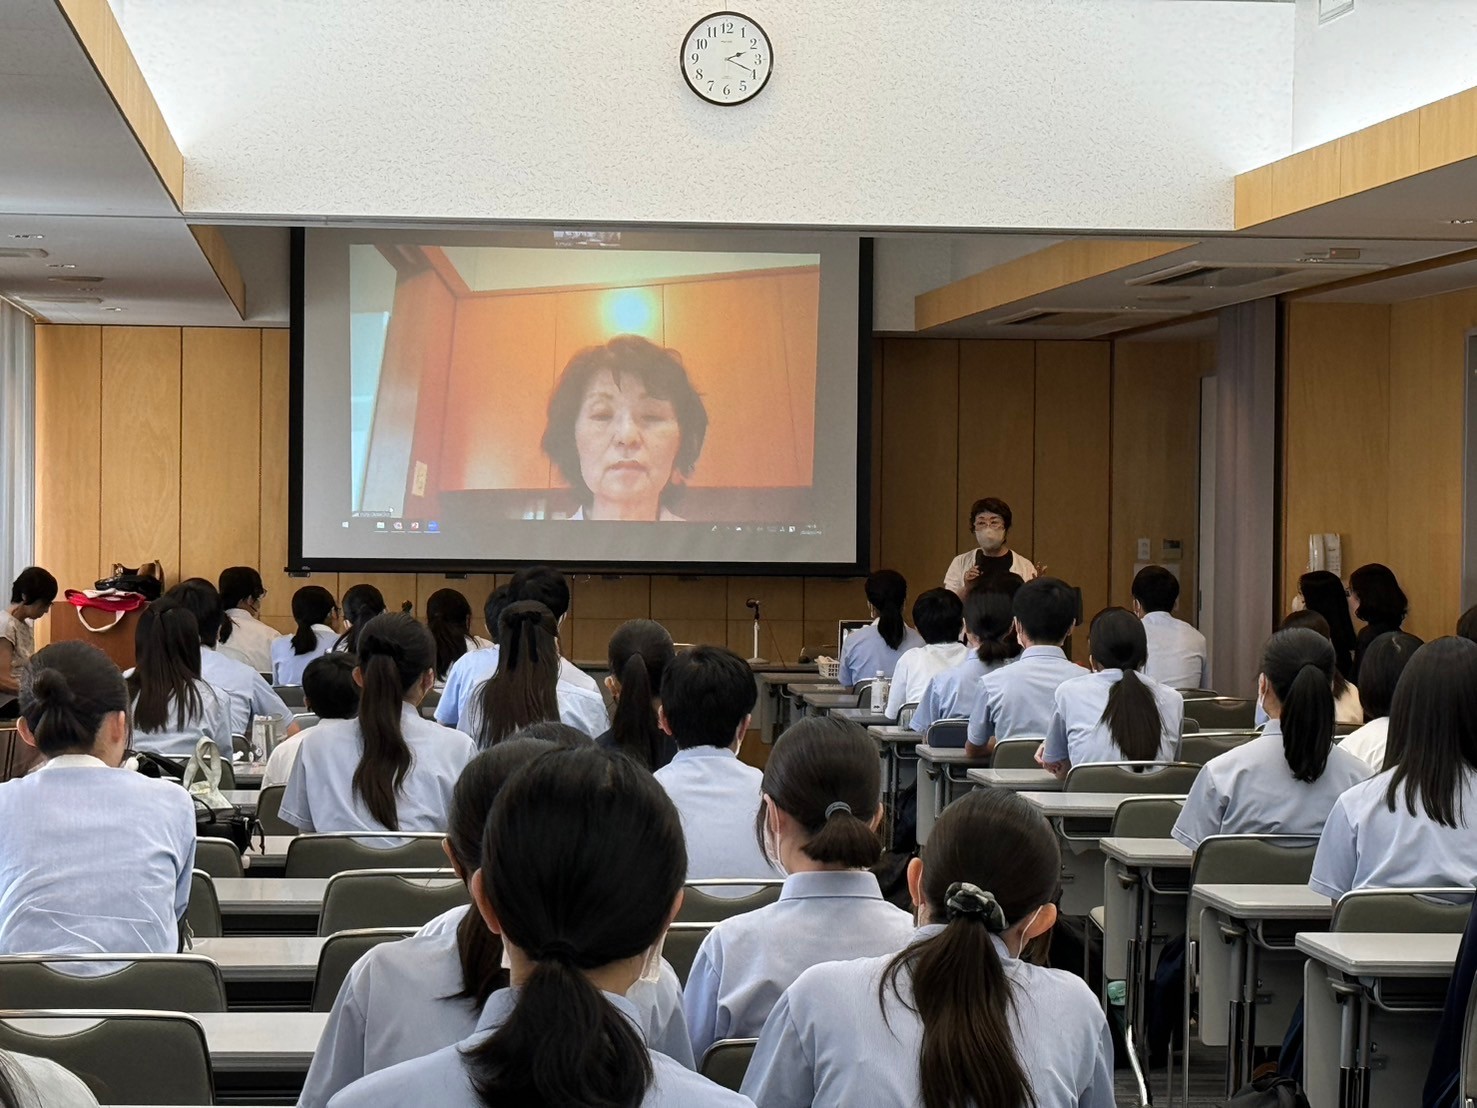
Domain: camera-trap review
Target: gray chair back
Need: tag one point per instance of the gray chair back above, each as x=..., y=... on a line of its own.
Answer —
x=268, y=809
x=162, y=982
x=905, y=713
x=1188, y=726
x=304, y=720
x=292, y=695
x=727, y=1061
x=430, y=703
x=324, y=855
x=389, y=898
x=700, y=905
x=1167, y=778
x=204, y=911
x=219, y=858
x=1254, y=859
x=947, y=734
x=1433, y=910
x=228, y=777
x=1221, y=712
x=1199, y=749
x=1199, y=694
x=681, y=946
x=1016, y=754
x=1146, y=817
x=338, y=955
x=123, y=1057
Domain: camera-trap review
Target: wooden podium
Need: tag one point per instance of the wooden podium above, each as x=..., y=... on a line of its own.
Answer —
x=116, y=641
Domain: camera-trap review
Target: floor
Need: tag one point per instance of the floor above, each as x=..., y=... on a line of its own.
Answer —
x=1207, y=1083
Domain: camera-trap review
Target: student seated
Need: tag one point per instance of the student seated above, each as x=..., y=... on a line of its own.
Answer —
x=566, y=1032
x=1323, y=592
x=1347, y=709
x=638, y=654
x=1384, y=662
x=708, y=694
x=1019, y=699
x=526, y=688
x=329, y=692
x=170, y=708
x=314, y=609
x=410, y=998
x=30, y=1082
x=1408, y=826
x=958, y=1017
x=939, y=616
x=1178, y=656
x=31, y=596
x=1284, y=781
x=243, y=637
x=449, y=619
x=869, y=651
x=951, y=693
x=96, y=861
x=1114, y=713
x=388, y=770
x=361, y=604
x=819, y=824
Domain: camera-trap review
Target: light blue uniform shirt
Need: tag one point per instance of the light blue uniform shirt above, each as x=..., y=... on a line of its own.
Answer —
x=442, y=1079
x=245, y=689
x=748, y=960
x=468, y=673
x=320, y=792
x=865, y=653
x=96, y=860
x=829, y=1041
x=1365, y=845
x=1077, y=733
x=287, y=667
x=952, y=693
x=717, y=797
x=1018, y=699
x=175, y=741
x=1251, y=791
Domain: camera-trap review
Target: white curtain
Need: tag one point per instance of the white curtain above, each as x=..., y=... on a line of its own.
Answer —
x=17, y=443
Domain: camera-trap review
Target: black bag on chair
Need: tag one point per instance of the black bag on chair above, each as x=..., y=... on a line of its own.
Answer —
x=1272, y=1091
x=228, y=823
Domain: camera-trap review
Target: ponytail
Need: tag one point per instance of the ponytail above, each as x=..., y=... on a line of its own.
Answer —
x=1300, y=666
x=66, y=692
x=311, y=604
x=887, y=591
x=524, y=688
x=394, y=651
x=361, y=604
x=449, y=619
x=988, y=617
x=824, y=774
x=1117, y=641
x=167, y=671
x=638, y=655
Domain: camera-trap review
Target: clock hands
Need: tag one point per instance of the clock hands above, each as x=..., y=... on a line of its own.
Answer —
x=745, y=68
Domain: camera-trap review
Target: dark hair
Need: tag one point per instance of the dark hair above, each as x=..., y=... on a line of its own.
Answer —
x=639, y=653
x=1298, y=664
x=449, y=618
x=238, y=583
x=993, y=506
x=997, y=842
x=1466, y=627
x=662, y=374
x=1433, y=730
x=938, y=615
x=1323, y=593
x=887, y=591
x=1385, y=660
x=65, y=691
x=987, y=616
x=361, y=604
x=478, y=947
x=204, y=602
x=328, y=686
x=1046, y=609
x=310, y=604
x=524, y=688
x=1381, y=599
x=166, y=646
x=591, y=821
x=818, y=762
x=542, y=585
x=492, y=608
x=1117, y=640
x=551, y=731
x=33, y=584
x=1312, y=621
x=394, y=653
x=1156, y=589
x=706, y=693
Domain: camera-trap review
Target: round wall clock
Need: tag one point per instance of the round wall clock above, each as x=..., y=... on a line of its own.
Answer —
x=727, y=58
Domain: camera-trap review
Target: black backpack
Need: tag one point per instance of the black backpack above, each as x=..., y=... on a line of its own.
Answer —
x=1272, y=1091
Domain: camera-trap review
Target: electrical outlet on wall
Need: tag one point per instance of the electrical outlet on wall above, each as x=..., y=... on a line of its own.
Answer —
x=1146, y=549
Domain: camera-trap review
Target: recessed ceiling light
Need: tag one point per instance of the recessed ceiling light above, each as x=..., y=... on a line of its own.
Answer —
x=1460, y=222
x=76, y=279
x=61, y=265
x=112, y=309
x=28, y=236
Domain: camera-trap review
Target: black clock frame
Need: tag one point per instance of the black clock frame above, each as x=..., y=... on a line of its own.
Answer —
x=682, y=53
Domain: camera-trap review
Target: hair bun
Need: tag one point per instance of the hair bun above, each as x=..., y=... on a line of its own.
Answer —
x=50, y=688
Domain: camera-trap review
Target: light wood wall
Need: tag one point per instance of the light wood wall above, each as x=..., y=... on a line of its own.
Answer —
x=171, y=443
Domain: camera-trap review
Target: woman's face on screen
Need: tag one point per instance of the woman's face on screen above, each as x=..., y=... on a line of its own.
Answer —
x=627, y=442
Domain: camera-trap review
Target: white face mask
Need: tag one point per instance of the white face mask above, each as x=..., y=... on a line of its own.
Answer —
x=1029, y=925
x=772, y=849
x=990, y=538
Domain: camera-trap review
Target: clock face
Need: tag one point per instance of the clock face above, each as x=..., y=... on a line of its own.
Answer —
x=726, y=58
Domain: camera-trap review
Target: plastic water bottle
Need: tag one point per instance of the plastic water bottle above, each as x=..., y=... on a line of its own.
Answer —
x=1117, y=999
x=881, y=686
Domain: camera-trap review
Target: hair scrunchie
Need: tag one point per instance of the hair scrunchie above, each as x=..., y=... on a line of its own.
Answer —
x=838, y=806
x=965, y=899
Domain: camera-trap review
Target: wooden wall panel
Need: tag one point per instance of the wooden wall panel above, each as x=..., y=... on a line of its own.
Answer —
x=140, y=455
x=220, y=421
x=997, y=435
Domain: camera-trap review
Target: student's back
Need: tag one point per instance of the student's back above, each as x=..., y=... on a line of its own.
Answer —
x=876, y=649
x=1178, y=657
x=951, y=693
x=939, y=617
x=170, y=708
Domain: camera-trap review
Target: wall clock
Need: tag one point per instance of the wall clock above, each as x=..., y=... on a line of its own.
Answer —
x=727, y=58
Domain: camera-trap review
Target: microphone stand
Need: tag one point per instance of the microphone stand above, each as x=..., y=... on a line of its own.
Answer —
x=754, y=605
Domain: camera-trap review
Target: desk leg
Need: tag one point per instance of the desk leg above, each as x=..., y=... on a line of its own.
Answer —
x=1236, y=1048
x=1353, y=1044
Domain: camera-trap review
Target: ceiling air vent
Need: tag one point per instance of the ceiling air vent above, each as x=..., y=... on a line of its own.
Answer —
x=1245, y=275
x=1056, y=317
x=22, y=252
x=59, y=299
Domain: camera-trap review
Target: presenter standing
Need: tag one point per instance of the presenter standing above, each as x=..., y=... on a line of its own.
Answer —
x=990, y=520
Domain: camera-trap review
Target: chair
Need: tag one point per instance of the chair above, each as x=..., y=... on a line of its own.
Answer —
x=681, y=946
x=905, y=713
x=1016, y=753
x=204, y=911
x=1146, y=817
x=292, y=695
x=1254, y=859
x=727, y=1061
x=123, y=1057
x=1468, y=1080
x=1199, y=749
x=304, y=720
x=1189, y=726
x=389, y=898
x=228, y=776
x=1167, y=778
x=323, y=855
x=338, y=955
x=268, y=805
x=428, y=705
x=1435, y=910
x=703, y=907
x=162, y=982
x=219, y=858
x=1340, y=730
x=948, y=734
x=1220, y=713
x=1199, y=694
x=17, y=757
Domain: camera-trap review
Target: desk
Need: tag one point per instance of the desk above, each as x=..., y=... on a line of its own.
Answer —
x=898, y=749
x=1063, y=805
x=265, y=972
x=1372, y=1007
x=1255, y=964
x=946, y=767
x=245, y=799
x=863, y=716
x=270, y=905
x=818, y=702
x=249, y=774
x=772, y=707
x=1016, y=780
x=267, y=862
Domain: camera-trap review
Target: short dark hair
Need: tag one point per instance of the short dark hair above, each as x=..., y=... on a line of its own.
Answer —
x=1046, y=608
x=658, y=369
x=33, y=584
x=993, y=505
x=328, y=686
x=498, y=599
x=938, y=615
x=706, y=693
x=543, y=584
x=1384, y=661
x=204, y=602
x=1381, y=599
x=238, y=583
x=1156, y=589
x=1466, y=627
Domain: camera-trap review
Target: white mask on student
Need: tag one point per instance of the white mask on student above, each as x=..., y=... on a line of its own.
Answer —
x=771, y=847
x=990, y=538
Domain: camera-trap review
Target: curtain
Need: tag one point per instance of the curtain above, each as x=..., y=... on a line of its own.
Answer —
x=17, y=443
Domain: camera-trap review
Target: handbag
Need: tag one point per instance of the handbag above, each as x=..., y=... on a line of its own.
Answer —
x=215, y=816
x=117, y=604
x=1272, y=1091
x=147, y=580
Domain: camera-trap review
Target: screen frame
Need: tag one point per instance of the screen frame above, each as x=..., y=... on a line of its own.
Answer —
x=298, y=564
